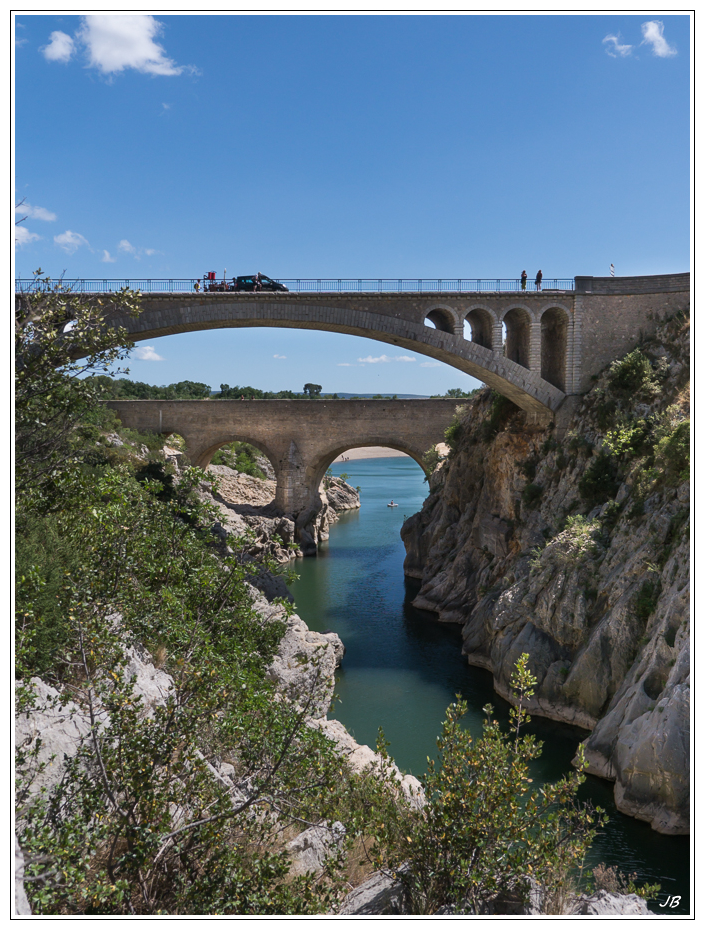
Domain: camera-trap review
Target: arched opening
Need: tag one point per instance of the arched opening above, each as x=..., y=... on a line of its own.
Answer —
x=246, y=477
x=518, y=334
x=477, y=328
x=554, y=345
x=440, y=319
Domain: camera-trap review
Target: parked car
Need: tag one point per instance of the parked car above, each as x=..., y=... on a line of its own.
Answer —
x=257, y=282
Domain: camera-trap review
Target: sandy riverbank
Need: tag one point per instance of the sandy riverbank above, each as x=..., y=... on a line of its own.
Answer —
x=369, y=452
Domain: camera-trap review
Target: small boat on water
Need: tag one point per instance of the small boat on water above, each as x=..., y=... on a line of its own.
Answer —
x=392, y=504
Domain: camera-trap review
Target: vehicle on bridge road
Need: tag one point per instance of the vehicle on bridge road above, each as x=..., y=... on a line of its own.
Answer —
x=251, y=282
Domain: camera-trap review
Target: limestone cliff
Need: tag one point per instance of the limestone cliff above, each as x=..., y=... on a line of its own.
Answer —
x=571, y=543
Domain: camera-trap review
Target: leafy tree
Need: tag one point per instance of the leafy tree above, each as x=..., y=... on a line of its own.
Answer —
x=59, y=338
x=483, y=831
x=312, y=390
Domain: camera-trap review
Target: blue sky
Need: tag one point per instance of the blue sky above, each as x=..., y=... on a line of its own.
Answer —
x=361, y=146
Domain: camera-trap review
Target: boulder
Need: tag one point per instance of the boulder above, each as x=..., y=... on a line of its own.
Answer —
x=379, y=894
x=310, y=850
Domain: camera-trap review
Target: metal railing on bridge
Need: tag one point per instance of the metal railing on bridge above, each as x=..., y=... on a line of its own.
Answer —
x=299, y=285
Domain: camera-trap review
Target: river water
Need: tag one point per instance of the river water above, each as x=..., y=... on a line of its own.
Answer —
x=402, y=668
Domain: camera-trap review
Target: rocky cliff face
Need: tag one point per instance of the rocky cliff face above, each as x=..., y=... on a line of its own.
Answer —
x=572, y=545
x=248, y=509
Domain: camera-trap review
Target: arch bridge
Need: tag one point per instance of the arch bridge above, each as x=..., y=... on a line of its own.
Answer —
x=301, y=438
x=536, y=348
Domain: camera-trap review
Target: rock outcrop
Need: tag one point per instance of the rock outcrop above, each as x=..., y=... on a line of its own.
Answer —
x=573, y=546
x=247, y=509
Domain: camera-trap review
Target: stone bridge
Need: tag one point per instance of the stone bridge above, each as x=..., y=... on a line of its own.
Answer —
x=299, y=437
x=535, y=348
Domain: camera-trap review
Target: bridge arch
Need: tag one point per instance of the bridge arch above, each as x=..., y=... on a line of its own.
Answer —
x=401, y=324
x=317, y=470
x=203, y=456
x=443, y=317
x=517, y=321
x=481, y=321
x=556, y=325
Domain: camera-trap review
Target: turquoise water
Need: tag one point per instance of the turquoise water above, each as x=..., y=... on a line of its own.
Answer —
x=402, y=668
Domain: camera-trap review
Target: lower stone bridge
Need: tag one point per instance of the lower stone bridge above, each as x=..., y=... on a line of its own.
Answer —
x=301, y=438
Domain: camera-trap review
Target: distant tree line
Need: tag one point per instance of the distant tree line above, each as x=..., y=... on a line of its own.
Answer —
x=124, y=389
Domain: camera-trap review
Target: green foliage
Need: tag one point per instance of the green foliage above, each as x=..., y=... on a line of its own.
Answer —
x=140, y=825
x=577, y=540
x=531, y=495
x=646, y=600
x=501, y=409
x=431, y=459
x=240, y=456
x=458, y=392
x=633, y=376
x=124, y=389
x=672, y=454
x=599, y=482
x=629, y=439
x=59, y=339
x=312, y=390
x=453, y=433
x=113, y=560
x=528, y=467
x=483, y=829
x=250, y=393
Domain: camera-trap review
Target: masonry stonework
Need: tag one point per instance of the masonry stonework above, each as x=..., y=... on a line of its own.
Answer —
x=607, y=317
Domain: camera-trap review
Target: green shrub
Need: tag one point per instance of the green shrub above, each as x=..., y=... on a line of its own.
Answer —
x=240, y=456
x=531, y=495
x=599, y=482
x=453, y=434
x=672, y=454
x=629, y=439
x=501, y=410
x=646, y=599
x=483, y=828
x=633, y=375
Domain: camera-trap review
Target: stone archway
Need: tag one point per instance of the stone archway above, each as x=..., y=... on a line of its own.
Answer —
x=518, y=339
x=480, y=322
x=555, y=327
x=443, y=319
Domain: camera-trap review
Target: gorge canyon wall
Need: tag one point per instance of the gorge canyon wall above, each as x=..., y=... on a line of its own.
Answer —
x=572, y=544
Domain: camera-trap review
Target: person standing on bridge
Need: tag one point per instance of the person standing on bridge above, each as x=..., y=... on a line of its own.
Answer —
x=523, y=280
x=539, y=278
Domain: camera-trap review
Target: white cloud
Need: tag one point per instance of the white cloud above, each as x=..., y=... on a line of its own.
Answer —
x=116, y=42
x=125, y=246
x=36, y=213
x=70, y=241
x=60, y=48
x=615, y=48
x=23, y=236
x=346, y=365
x=147, y=354
x=431, y=365
x=280, y=356
x=370, y=360
x=107, y=257
x=653, y=36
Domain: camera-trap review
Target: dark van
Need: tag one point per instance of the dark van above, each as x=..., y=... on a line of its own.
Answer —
x=252, y=282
